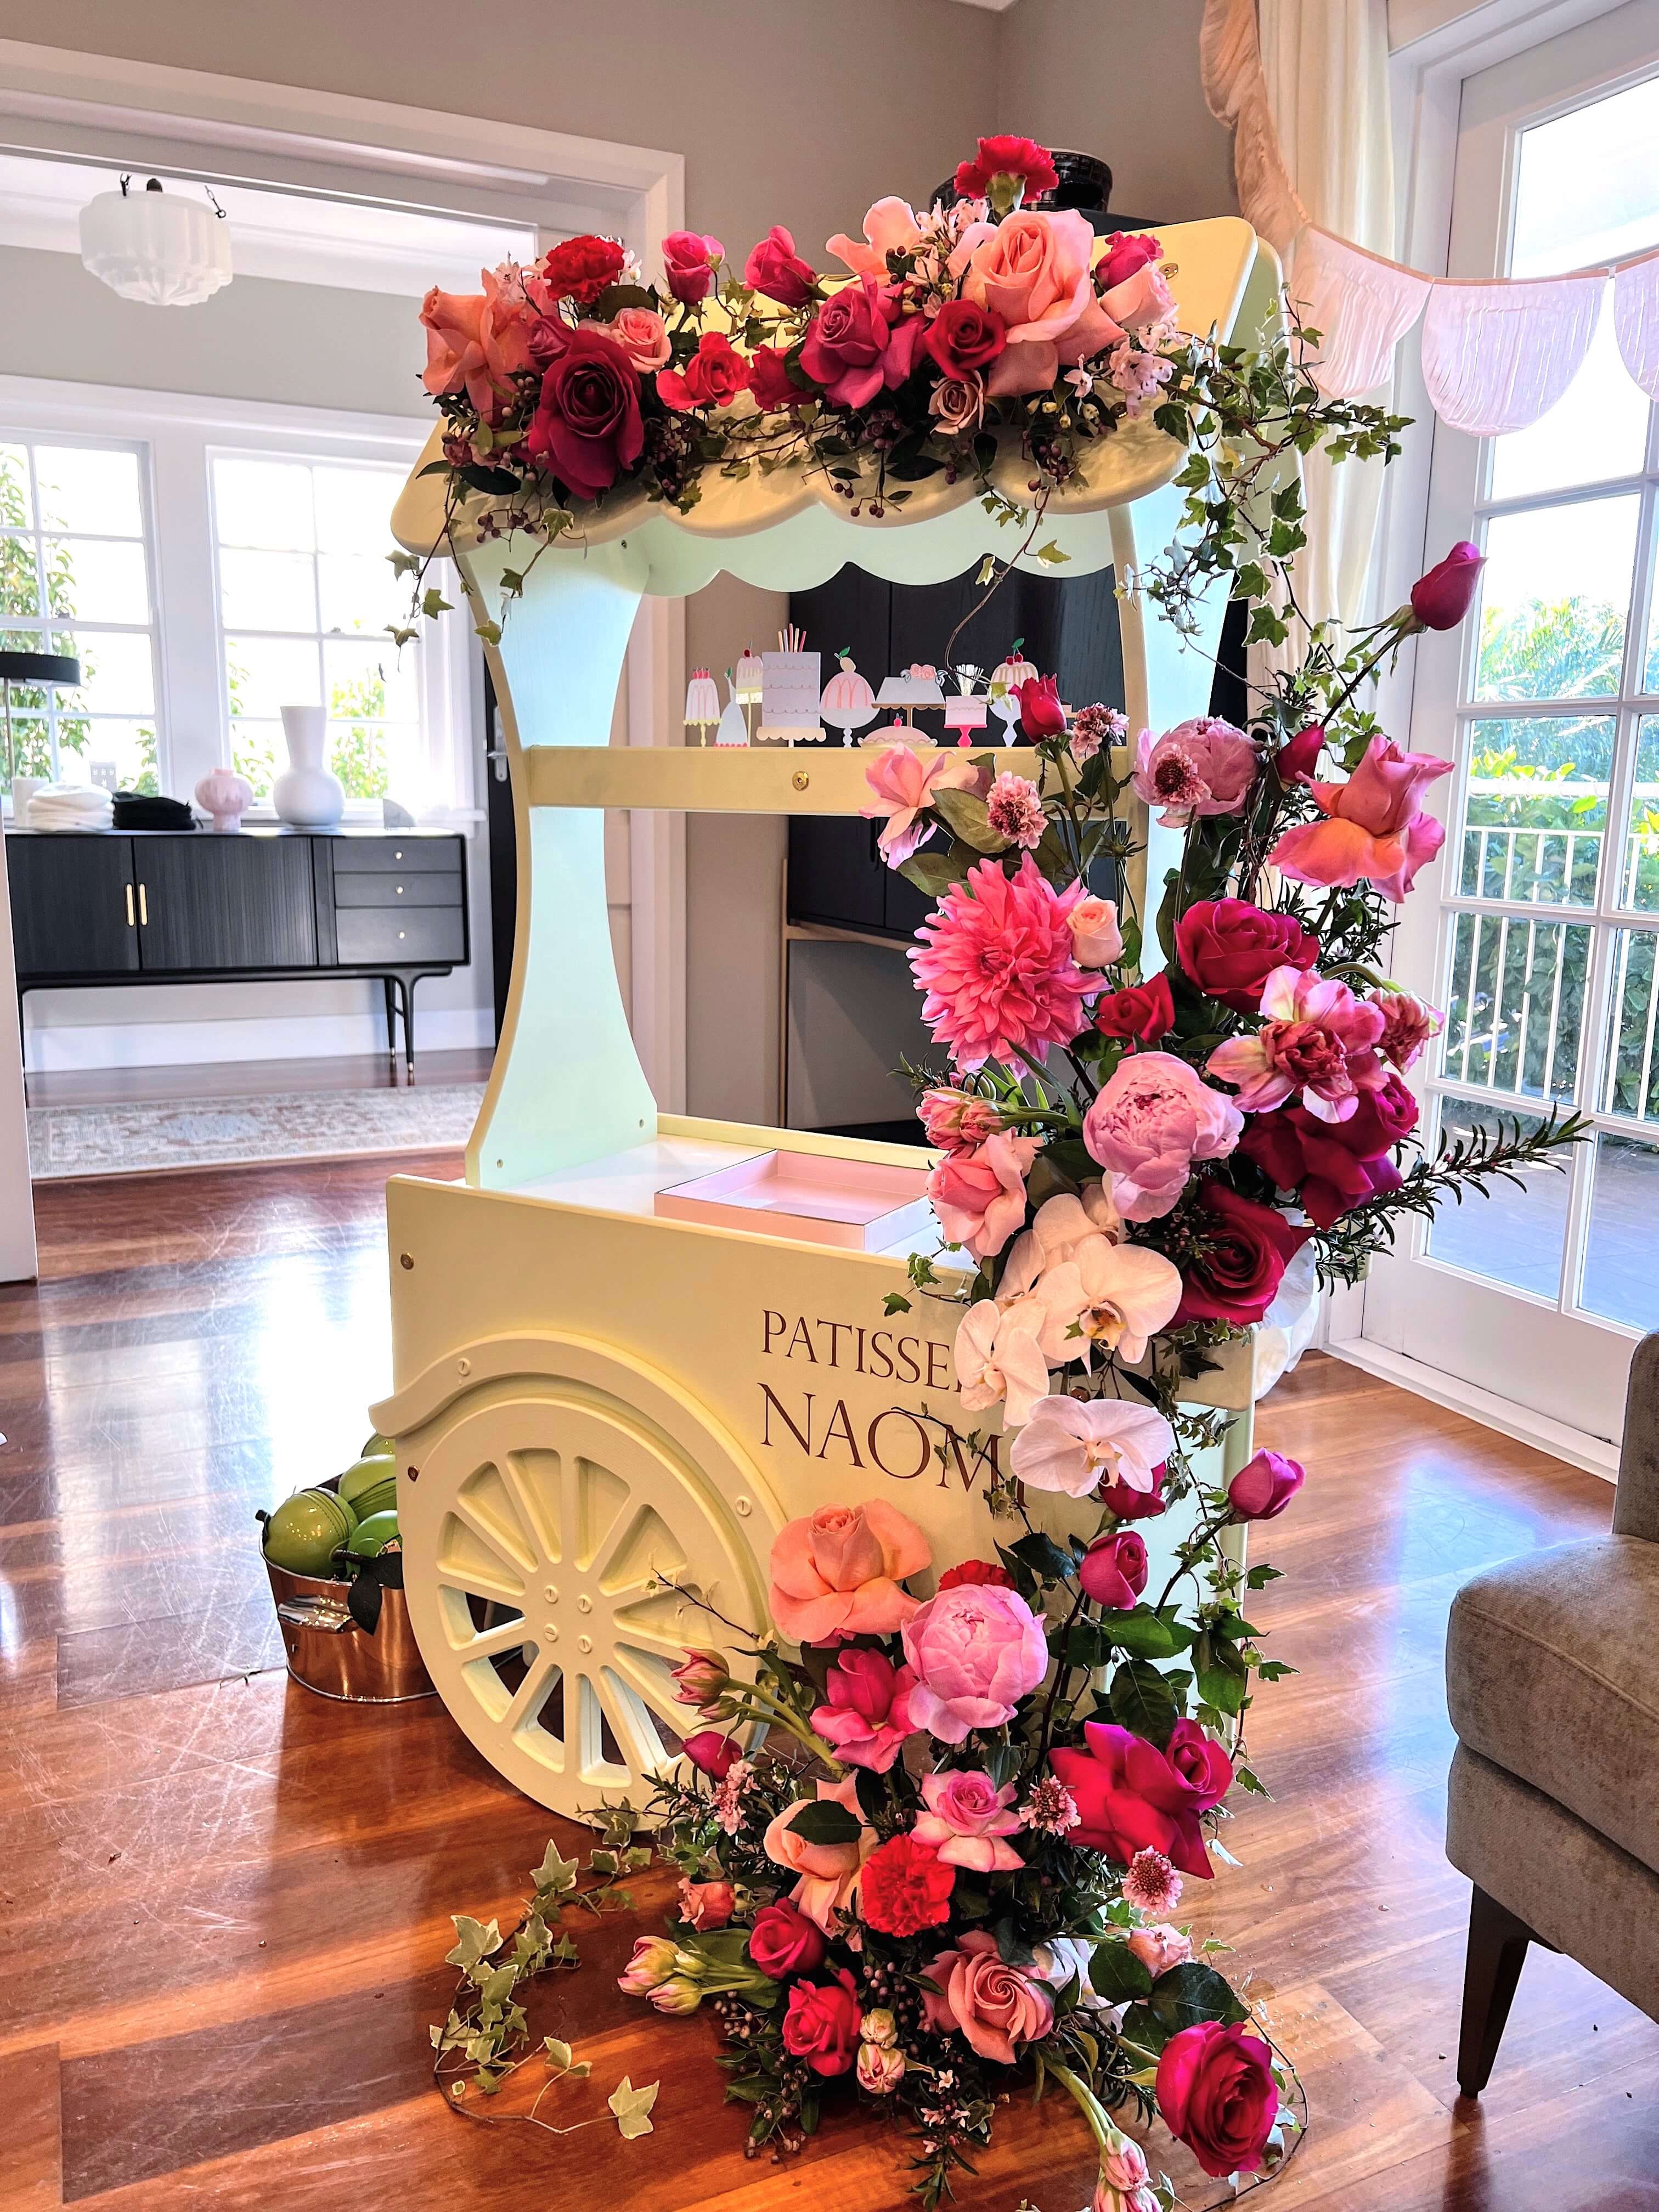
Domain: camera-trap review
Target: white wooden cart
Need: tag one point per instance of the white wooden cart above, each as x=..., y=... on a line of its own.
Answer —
x=597, y=1409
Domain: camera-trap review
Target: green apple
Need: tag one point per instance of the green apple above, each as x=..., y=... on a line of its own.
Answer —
x=306, y=1531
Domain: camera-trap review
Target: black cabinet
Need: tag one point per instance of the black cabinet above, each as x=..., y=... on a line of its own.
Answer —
x=211, y=902
x=74, y=907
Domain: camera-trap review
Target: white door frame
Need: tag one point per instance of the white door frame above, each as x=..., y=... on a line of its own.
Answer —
x=192, y=124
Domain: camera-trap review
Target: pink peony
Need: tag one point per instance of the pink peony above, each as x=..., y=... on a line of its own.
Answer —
x=958, y=1121
x=1096, y=935
x=835, y=1573
x=1000, y=1359
x=996, y=2006
x=1071, y=1445
x=1154, y=1117
x=867, y=1718
x=966, y=1820
x=1318, y=1043
x=828, y=1873
x=1374, y=830
x=1015, y=810
x=980, y=1197
x=890, y=227
x=1159, y=1947
x=1034, y=271
x=1408, y=1024
x=995, y=957
x=1091, y=1287
x=1200, y=768
x=903, y=782
x=690, y=259
x=976, y=1651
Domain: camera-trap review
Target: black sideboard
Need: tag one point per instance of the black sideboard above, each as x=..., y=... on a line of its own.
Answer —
x=101, y=907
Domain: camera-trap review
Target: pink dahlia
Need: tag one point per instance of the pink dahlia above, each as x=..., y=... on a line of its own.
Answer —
x=1201, y=767
x=997, y=962
x=1016, y=812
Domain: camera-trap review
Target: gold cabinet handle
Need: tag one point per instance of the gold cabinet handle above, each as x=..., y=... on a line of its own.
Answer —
x=130, y=905
x=143, y=906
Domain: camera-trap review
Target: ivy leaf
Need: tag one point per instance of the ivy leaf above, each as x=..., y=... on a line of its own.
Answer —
x=825, y=1821
x=1142, y=1634
x=497, y=1986
x=556, y=1874
x=474, y=1940
x=1190, y=1993
x=1052, y=555
x=896, y=1302
x=632, y=2107
x=558, y=2054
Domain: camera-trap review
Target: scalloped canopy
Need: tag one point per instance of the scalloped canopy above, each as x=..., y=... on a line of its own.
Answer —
x=791, y=529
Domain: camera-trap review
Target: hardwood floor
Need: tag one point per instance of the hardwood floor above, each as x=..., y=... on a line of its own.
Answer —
x=251, y=1079
x=225, y=1901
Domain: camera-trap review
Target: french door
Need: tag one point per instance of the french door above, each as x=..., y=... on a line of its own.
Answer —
x=1540, y=937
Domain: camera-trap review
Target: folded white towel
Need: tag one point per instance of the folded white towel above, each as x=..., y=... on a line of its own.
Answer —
x=70, y=806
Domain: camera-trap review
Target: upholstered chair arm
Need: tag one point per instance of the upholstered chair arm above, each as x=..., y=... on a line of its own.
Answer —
x=1636, y=1510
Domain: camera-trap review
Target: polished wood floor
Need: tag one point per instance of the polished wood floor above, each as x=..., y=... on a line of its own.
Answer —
x=251, y=1079
x=224, y=1902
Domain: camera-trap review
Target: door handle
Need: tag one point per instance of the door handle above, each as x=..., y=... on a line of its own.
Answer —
x=497, y=756
x=130, y=922
x=143, y=907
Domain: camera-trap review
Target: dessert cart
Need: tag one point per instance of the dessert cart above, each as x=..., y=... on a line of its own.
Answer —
x=603, y=1413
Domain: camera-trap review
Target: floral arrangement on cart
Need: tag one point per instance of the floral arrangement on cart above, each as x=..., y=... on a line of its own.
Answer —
x=954, y=1861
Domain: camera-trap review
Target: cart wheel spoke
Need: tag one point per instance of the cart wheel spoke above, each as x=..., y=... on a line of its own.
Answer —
x=631, y=1724
x=488, y=1642
x=664, y=1621
x=497, y=1530
x=649, y=1677
x=524, y=1709
x=535, y=1483
x=477, y=1581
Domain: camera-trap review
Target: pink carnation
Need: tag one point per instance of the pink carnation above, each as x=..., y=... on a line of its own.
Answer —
x=1200, y=768
x=996, y=959
x=1154, y=1117
x=1318, y=1043
x=1374, y=831
x=1015, y=810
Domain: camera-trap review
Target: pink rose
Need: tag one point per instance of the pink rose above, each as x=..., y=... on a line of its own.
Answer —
x=713, y=376
x=976, y=1651
x=996, y=2006
x=890, y=227
x=958, y=1121
x=774, y=388
x=866, y=1718
x=1131, y=1798
x=1264, y=1487
x=1408, y=1024
x=828, y=1873
x=1441, y=598
x=1096, y=935
x=587, y=428
x=845, y=346
x=903, y=785
x=1113, y=1570
x=821, y=2023
x=1125, y=252
x=837, y=1572
x=980, y=1197
x=966, y=1820
x=1153, y=1117
x=1200, y=768
x=1159, y=1947
x=690, y=259
x=1318, y=1043
x=1034, y=271
x=777, y=271
x=1071, y=1446
x=1141, y=298
x=1374, y=830
x=643, y=335
x=1217, y=2094
x=707, y=1904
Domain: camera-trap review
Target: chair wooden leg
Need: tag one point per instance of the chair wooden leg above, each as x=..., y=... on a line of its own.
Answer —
x=1498, y=1950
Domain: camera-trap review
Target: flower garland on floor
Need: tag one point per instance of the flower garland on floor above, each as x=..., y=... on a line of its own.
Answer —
x=961, y=1867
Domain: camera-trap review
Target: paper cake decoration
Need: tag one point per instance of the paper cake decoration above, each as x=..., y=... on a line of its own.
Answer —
x=848, y=702
x=1005, y=676
x=790, y=682
x=703, y=703
x=966, y=712
x=733, y=729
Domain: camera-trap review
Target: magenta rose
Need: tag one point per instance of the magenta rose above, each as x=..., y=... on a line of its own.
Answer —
x=1217, y=2094
x=964, y=336
x=713, y=377
x=1125, y=254
x=587, y=429
x=712, y=1753
x=784, y=1943
x=845, y=346
x=1136, y=1504
x=1201, y=1763
x=1130, y=1797
x=977, y=1652
x=1264, y=1487
x=866, y=1716
x=1144, y=1013
x=1333, y=1166
x=690, y=259
x=997, y=2006
x=1153, y=1117
x=776, y=270
x=821, y=2023
x=1441, y=598
x=1040, y=714
x=774, y=388
x=1294, y=762
x=1242, y=1252
x=1113, y=1571
x=1230, y=948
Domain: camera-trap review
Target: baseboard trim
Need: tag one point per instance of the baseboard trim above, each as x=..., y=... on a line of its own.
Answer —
x=56, y=1049
x=1596, y=1455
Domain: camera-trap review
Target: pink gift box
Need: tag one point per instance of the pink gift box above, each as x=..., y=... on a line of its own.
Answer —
x=853, y=1203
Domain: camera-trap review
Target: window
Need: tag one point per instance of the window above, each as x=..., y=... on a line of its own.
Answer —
x=304, y=596
x=76, y=569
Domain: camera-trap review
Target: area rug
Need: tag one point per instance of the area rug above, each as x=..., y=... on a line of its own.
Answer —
x=287, y=1125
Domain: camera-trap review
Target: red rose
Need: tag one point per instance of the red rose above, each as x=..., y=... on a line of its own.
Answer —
x=1230, y=948
x=1296, y=762
x=587, y=428
x=784, y=1943
x=1441, y=598
x=1145, y=1013
x=1243, y=1249
x=905, y=1887
x=1264, y=1487
x=1021, y=159
x=1136, y=1504
x=776, y=270
x=1216, y=2091
x=769, y=380
x=979, y=1572
x=713, y=377
x=1113, y=1570
x=1131, y=1799
x=1129, y=251
x=712, y=1753
x=1201, y=1762
x=688, y=261
x=580, y=269
x=963, y=336
x=1040, y=714
x=822, y=2023
x=1333, y=1166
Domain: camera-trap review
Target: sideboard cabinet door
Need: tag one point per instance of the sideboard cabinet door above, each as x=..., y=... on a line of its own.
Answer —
x=212, y=902
x=71, y=898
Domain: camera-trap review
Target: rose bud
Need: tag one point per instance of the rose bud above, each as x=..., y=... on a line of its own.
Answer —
x=881, y=2068
x=1040, y=714
x=1113, y=1571
x=1264, y=1487
x=702, y=1677
x=1296, y=762
x=712, y=1753
x=1441, y=598
x=1136, y=1504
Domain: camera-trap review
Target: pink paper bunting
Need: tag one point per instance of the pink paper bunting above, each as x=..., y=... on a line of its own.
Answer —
x=1636, y=319
x=1361, y=305
x=1498, y=356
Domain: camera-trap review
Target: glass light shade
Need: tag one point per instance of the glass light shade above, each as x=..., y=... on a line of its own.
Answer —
x=158, y=247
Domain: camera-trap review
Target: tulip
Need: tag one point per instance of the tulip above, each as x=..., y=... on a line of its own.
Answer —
x=677, y=1995
x=651, y=1963
x=1441, y=598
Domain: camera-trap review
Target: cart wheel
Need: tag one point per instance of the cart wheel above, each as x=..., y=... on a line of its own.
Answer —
x=559, y=1549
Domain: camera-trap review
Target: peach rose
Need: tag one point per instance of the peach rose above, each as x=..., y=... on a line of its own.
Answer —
x=475, y=342
x=829, y=1873
x=1034, y=271
x=643, y=335
x=996, y=2006
x=837, y=1572
x=1097, y=935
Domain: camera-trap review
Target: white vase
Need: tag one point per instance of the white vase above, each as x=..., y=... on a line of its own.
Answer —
x=306, y=794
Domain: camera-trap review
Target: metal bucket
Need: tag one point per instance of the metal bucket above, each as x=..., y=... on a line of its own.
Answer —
x=330, y=1653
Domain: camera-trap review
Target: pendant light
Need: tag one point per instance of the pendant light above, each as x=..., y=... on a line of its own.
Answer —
x=156, y=246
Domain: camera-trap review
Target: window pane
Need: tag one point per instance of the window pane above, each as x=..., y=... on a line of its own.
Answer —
x=1632, y=1085
x=256, y=751
x=1639, y=883
x=1586, y=187
x=1536, y=809
x=372, y=681
x=262, y=503
x=1516, y=1003
x=1650, y=674
x=97, y=580
x=1554, y=597
x=267, y=590
x=31, y=740
x=354, y=509
x=1620, y=1280
x=360, y=755
x=117, y=675
x=131, y=746
x=89, y=488
x=1516, y=1235
x=15, y=509
x=1597, y=428
x=360, y=593
x=265, y=674
x=20, y=583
